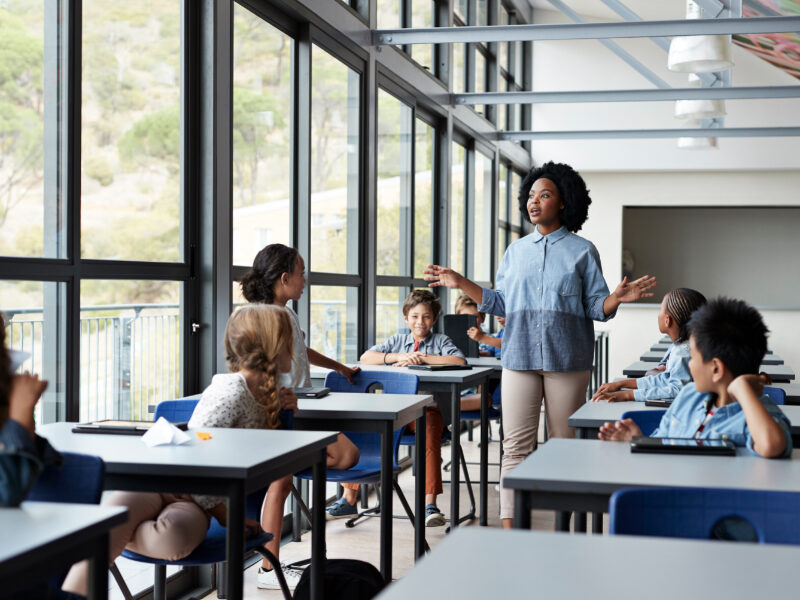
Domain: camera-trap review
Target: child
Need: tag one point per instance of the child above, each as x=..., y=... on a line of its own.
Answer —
x=489, y=345
x=727, y=341
x=421, y=308
x=258, y=347
x=673, y=319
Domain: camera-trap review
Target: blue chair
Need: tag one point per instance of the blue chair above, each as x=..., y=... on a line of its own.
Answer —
x=777, y=395
x=702, y=513
x=368, y=469
x=647, y=420
x=212, y=549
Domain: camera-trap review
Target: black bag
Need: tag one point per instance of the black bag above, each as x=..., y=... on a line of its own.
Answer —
x=344, y=579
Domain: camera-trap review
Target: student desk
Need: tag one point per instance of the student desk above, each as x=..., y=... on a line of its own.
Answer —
x=792, y=391
x=659, y=348
x=580, y=475
x=656, y=356
x=554, y=565
x=233, y=463
x=40, y=539
x=776, y=372
x=383, y=414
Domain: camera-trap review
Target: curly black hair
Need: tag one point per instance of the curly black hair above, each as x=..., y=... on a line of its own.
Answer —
x=5, y=374
x=732, y=331
x=571, y=189
x=270, y=263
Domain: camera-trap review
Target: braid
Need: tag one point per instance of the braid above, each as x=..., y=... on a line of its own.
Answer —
x=269, y=394
x=681, y=303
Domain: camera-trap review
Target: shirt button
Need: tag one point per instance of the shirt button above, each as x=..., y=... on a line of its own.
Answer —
x=724, y=436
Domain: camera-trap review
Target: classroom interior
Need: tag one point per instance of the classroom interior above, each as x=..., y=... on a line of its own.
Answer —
x=149, y=150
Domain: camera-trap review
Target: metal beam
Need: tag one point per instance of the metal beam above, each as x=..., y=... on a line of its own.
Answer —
x=584, y=31
x=693, y=93
x=623, y=134
x=614, y=47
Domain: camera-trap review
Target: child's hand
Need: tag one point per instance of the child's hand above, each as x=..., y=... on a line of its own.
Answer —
x=287, y=399
x=348, y=372
x=410, y=358
x=442, y=276
x=631, y=291
x=621, y=431
x=601, y=396
x=475, y=334
x=26, y=389
x=611, y=386
x=740, y=386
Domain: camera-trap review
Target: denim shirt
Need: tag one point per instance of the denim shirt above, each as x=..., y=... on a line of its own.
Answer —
x=688, y=411
x=434, y=343
x=671, y=380
x=549, y=288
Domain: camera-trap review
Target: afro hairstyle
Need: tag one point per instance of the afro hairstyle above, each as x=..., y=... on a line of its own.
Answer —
x=571, y=189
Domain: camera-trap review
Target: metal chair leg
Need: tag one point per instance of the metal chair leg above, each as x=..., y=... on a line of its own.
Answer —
x=123, y=587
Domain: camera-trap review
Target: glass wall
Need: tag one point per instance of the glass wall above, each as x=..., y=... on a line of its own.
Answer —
x=482, y=219
x=458, y=202
x=424, y=139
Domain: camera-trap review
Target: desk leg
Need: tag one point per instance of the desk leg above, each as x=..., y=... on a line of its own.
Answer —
x=386, y=501
x=522, y=513
x=419, y=488
x=234, y=550
x=455, y=448
x=597, y=522
x=562, y=520
x=580, y=522
x=318, y=528
x=484, y=467
x=98, y=569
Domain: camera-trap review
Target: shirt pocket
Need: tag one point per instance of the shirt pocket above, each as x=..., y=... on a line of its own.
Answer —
x=566, y=292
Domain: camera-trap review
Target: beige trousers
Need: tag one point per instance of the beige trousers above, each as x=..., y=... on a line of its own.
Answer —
x=523, y=392
x=165, y=526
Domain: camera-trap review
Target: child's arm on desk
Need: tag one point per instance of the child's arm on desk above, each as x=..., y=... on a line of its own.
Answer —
x=371, y=357
x=769, y=439
x=610, y=392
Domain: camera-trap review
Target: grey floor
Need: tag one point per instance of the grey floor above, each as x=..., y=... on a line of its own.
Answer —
x=361, y=542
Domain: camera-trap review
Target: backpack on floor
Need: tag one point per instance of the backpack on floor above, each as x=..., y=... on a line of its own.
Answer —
x=344, y=579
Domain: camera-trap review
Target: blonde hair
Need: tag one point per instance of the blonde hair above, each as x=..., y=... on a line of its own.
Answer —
x=463, y=301
x=254, y=335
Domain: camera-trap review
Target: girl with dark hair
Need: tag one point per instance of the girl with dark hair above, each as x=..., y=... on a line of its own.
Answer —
x=673, y=320
x=550, y=288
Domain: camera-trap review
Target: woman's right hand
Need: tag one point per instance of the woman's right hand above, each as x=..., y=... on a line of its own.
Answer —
x=442, y=276
x=287, y=399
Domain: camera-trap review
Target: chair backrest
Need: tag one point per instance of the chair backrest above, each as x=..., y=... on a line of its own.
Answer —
x=79, y=479
x=369, y=444
x=702, y=513
x=177, y=411
x=777, y=395
x=647, y=420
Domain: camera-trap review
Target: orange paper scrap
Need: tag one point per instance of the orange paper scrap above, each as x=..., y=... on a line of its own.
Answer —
x=203, y=435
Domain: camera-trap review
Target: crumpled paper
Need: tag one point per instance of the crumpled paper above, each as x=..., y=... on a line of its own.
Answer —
x=17, y=358
x=164, y=433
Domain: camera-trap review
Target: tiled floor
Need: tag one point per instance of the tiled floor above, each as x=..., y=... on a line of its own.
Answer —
x=361, y=541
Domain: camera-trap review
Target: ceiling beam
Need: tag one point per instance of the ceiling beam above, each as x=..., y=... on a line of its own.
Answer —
x=623, y=134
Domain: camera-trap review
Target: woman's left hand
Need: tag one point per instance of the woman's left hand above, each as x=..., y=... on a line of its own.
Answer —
x=287, y=399
x=631, y=291
x=348, y=372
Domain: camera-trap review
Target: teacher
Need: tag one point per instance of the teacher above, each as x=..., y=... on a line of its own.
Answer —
x=549, y=287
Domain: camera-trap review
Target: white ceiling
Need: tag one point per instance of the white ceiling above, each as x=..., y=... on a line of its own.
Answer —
x=650, y=10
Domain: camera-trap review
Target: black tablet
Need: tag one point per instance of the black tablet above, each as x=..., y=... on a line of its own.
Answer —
x=311, y=392
x=439, y=367
x=658, y=403
x=120, y=427
x=718, y=447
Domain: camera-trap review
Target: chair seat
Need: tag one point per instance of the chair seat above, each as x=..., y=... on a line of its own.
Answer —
x=210, y=551
x=475, y=415
x=354, y=475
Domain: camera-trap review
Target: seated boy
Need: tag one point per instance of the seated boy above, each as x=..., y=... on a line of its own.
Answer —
x=727, y=341
x=489, y=345
x=421, y=308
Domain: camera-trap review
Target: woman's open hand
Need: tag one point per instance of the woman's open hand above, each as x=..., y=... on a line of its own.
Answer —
x=631, y=291
x=438, y=276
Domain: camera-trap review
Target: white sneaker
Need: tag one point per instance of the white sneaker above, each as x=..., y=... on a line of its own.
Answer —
x=268, y=580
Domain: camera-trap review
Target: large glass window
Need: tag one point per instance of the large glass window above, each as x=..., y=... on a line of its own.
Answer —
x=262, y=146
x=423, y=197
x=389, y=311
x=482, y=220
x=131, y=130
x=394, y=185
x=130, y=348
x=422, y=15
x=335, y=116
x=334, y=322
x=457, y=205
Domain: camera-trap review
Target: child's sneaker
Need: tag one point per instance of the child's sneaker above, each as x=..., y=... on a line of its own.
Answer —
x=340, y=510
x=268, y=580
x=433, y=516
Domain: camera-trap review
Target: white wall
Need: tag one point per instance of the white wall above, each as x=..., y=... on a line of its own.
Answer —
x=634, y=328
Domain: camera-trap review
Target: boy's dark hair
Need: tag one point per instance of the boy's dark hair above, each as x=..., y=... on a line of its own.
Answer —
x=5, y=373
x=571, y=189
x=270, y=263
x=422, y=297
x=680, y=304
x=732, y=331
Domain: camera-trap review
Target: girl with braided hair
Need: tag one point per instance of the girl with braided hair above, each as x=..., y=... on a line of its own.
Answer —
x=673, y=320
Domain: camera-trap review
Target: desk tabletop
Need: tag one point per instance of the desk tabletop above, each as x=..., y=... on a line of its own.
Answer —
x=465, y=376
x=660, y=348
x=777, y=372
x=560, y=565
x=595, y=466
x=230, y=453
x=792, y=391
x=486, y=361
x=367, y=407
x=34, y=526
x=652, y=356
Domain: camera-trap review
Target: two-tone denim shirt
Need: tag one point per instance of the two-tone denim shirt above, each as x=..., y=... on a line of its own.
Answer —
x=549, y=288
x=671, y=380
x=688, y=412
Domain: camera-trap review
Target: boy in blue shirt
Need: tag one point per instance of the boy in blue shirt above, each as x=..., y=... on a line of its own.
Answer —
x=727, y=341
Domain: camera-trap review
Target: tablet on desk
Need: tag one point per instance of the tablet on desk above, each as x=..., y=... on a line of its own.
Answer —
x=718, y=447
x=120, y=427
x=439, y=367
x=311, y=392
x=659, y=403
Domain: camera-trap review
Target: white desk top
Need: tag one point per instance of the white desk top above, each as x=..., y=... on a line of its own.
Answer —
x=595, y=466
x=463, y=376
x=526, y=564
x=367, y=407
x=486, y=361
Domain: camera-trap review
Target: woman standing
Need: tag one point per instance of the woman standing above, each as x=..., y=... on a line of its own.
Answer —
x=550, y=287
